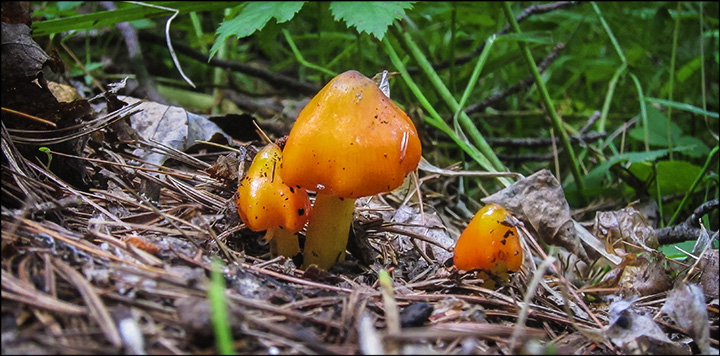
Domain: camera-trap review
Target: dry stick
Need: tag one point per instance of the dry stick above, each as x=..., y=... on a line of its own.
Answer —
x=455, y=330
x=28, y=116
x=295, y=279
x=275, y=79
x=413, y=235
x=529, y=293
x=686, y=230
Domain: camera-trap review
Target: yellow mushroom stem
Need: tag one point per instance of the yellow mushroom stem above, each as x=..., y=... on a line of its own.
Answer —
x=283, y=242
x=327, y=231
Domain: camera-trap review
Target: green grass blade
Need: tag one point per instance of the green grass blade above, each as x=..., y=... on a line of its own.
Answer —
x=608, y=97
x=475, y=74
x=300, y=57
x=465, y=122
x=432, y=117
x=219, y=310
x=710, y=159
x=683, y=106
x=109, y=18
x=605, y=25
x=643, y=111
x=550, y=107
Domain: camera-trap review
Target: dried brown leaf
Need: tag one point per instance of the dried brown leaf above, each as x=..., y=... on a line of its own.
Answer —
x=539, y=201
x=685, y=304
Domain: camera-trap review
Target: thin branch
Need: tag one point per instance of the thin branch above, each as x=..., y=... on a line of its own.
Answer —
x=274, y=79
x=521, y=85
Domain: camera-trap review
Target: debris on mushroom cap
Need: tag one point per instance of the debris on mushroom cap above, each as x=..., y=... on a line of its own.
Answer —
x=489, y=241
x=351, y=140
x=264, y=201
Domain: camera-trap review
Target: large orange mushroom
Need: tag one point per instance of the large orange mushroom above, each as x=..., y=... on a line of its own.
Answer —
x=350, y=141
x=490, y=242
x=265, y=202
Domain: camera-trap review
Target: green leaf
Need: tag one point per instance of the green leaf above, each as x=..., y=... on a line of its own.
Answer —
x=699, y=148
x=658, y=135
x=371, y=17
x=671, y=252
x=595, y=176
x=674, y=177
x=658, y=126
x=253, y=18
x=131, y=13
x=688, y=69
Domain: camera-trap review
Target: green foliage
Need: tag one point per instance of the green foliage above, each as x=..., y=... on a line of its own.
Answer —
x=672, y=252
x=253, y=17
x=595, y=176
x=132, y=12
x=664, y=133
x=47, y=152
x=674, y=177
x=219, y=310
x=371, y=17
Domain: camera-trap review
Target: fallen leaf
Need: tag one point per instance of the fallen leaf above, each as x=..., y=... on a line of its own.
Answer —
x=21, y=56
x=637, y=333
x=539, y=201
x=644, y=278
x=627, y=225
x=172, y=126
x=685, y=304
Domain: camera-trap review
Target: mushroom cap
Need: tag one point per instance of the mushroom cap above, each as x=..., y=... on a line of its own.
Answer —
x=264, y=201
x=489, y=241
x=351, y=141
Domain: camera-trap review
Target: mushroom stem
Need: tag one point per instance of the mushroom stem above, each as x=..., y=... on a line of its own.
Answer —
x=327, y=231
x=282, y=242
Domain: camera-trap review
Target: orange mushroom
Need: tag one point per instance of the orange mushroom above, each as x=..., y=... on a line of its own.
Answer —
x=264, y=202
x=349, y=141
x=490, y=242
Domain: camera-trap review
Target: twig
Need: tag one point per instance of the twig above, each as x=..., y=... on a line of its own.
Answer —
x=543, y=141
x=688, y=229
x=521, y=85
x=275, y=79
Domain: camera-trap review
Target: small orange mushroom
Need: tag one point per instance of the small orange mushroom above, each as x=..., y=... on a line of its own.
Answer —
x=490, y=242
x=350, y=141
x=265, y=202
